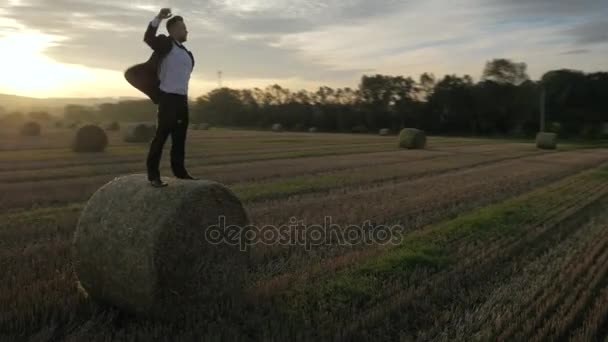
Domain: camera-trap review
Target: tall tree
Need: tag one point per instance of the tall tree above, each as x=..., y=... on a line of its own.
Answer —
x=505, y=71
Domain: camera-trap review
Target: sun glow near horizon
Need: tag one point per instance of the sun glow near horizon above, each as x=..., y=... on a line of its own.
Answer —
x=29, y=72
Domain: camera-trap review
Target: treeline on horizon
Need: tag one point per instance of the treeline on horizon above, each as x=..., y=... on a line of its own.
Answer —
x=504, y=102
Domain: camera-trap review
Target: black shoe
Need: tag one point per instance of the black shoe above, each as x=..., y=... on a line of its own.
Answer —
x=157, y=183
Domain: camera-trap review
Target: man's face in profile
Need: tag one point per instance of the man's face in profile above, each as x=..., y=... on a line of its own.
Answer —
x=180, y=32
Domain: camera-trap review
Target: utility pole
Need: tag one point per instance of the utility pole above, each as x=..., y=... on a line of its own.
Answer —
x=219, y=79
x=543, y=95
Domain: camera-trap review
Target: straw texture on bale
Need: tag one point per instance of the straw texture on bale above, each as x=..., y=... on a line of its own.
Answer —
x=90, y=138
x=546, y=141
x=277, y=127
x=30, y=129
x=139, y=133
x=384, y=131
x=412, y=138
x=146, y=250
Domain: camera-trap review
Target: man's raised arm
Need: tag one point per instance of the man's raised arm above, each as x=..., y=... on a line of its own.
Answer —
x=160, y=43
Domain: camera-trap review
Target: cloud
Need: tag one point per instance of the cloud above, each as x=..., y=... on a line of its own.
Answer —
x=576, y=52
x=593, y=32
x=456, y=38
x=549, y=8
x=109, y=35
x=324, y=41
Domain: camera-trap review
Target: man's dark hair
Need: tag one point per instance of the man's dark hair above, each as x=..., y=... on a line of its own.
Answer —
x=173, y=21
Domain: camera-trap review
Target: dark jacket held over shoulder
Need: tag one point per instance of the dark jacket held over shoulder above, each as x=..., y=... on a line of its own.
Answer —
x=145, y=76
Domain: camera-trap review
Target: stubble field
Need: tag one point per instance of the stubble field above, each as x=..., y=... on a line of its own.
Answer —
x=501, y=241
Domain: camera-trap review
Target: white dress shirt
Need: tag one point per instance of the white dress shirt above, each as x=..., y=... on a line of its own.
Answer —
x=175, y=69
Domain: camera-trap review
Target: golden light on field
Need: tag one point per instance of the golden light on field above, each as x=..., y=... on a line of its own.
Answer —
x=26, y=70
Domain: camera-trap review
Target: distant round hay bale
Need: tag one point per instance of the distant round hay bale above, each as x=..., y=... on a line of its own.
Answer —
x=73, y=125
x=139, y=133
x=384, y=131
x=203, y=126
x=277, y=127
x=604, y=130
x=554, y=127
x=112, y=126
x=148, y=251
x=546, y=141
x=30, y=129
x=90, y=138
x=313, y=130
x=412, y=138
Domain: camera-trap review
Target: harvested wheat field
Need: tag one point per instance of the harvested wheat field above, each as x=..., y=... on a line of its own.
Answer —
x=483, y=239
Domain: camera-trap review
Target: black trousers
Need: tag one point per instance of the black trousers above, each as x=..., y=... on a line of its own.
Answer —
x=173, y=117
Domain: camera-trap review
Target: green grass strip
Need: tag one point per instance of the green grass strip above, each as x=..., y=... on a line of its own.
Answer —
x=363, y=284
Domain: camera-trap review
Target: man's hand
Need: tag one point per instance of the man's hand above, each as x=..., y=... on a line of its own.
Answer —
x=164, y=13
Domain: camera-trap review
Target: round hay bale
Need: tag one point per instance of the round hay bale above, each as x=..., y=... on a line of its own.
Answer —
x=277, y=127
x=30, y=129
x=412, y=138
x=604, y=130
x=113, y=126
x=313, y=130
x=148, y=251
x=546, y=141
x=384, y=132
x=554, y=127
x=139, y=133
x=90, y=138
x=203, y=126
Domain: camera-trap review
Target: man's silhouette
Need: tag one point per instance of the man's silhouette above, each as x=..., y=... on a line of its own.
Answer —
x=164, y=79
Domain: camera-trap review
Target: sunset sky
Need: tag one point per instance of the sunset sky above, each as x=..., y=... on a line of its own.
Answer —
x=79, y=48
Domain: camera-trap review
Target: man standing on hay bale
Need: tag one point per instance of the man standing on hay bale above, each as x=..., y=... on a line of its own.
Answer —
x=164, y=79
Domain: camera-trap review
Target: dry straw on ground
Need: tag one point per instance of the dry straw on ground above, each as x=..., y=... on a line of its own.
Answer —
x=90, y=138
x=546, y=141
x=145, y=250
x=412, y=138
